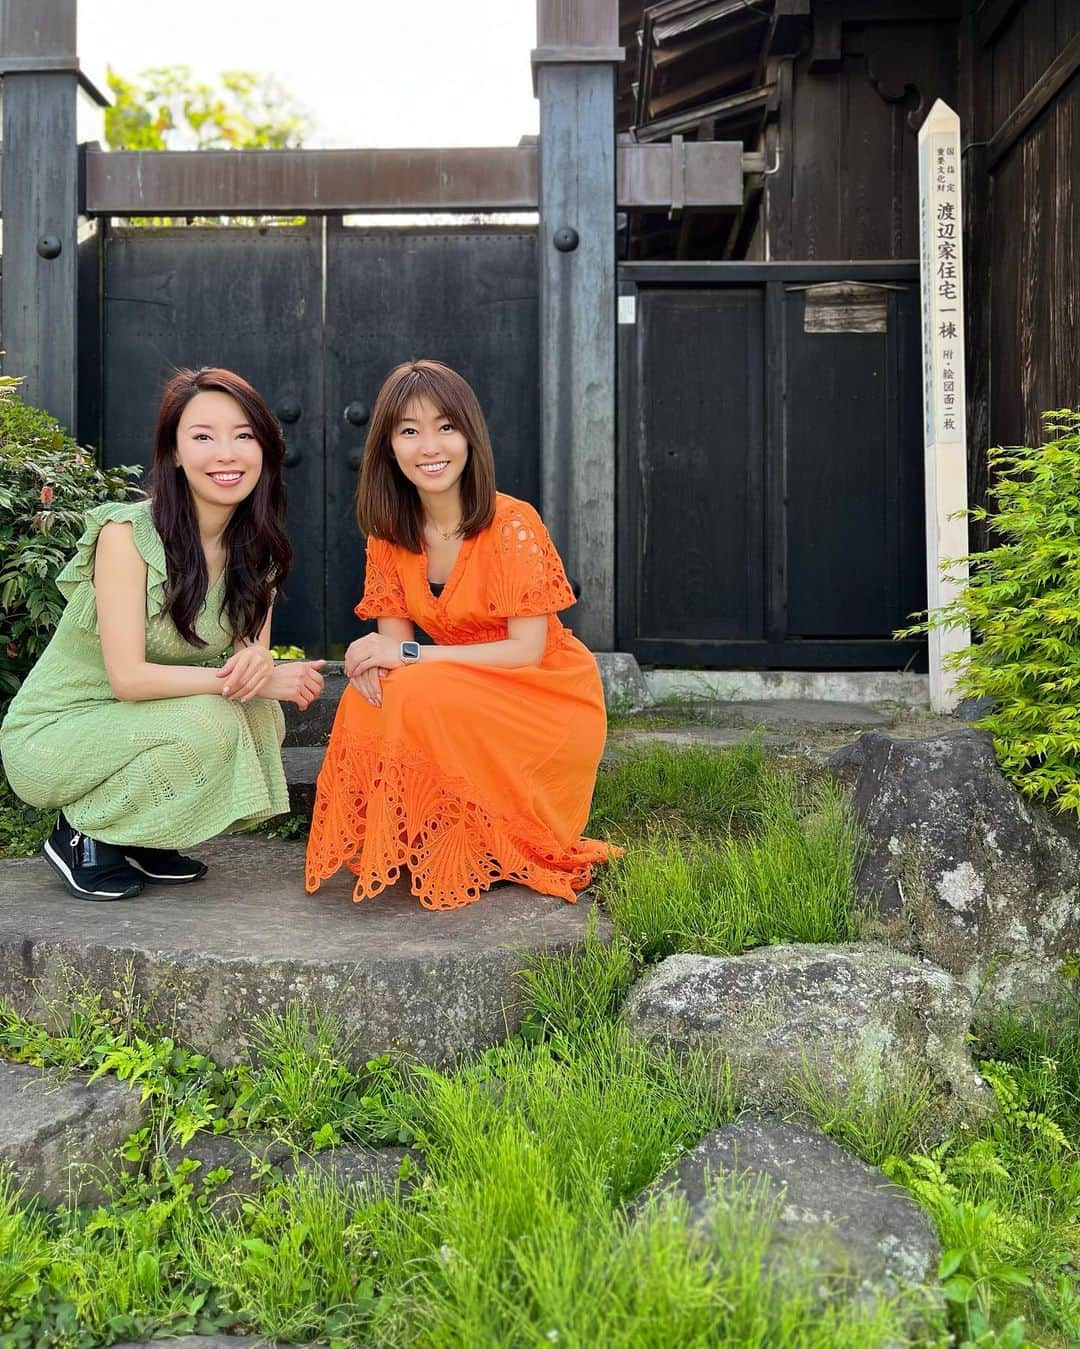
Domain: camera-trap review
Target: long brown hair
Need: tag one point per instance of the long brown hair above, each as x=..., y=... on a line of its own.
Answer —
x=387, y=504
x=257, y=552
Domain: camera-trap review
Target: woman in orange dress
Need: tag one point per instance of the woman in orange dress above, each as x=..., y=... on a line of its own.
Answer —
x=472, y=760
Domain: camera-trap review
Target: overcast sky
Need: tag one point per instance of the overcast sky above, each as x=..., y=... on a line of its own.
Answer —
x=410, y=73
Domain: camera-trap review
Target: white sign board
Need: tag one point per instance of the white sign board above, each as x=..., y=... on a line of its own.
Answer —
x=944, y=421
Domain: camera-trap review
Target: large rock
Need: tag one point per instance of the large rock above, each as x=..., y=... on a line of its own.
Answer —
x=624, y=684
x=204, y=960
x=369, y=1170
x=861, y=1015
x=961, y=869
x=834, y=1214
x=58, y=1138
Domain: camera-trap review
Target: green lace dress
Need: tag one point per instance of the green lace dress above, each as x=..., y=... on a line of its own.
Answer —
x=167, y=773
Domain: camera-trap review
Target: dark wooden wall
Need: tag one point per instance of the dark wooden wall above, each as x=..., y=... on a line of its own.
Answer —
x=1020, y=80
x=845, y=130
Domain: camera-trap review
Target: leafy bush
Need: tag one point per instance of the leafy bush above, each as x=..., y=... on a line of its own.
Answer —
x=47, y=484
x=1022, y=604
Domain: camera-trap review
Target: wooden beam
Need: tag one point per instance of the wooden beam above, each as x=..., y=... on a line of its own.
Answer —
x=703, y=14
x=316, y=182
x=37, y=29
x=581, y=24
x=706, y=173
x=744, y=102
x=1037, y=99
x=331, y=182
x=40, y=197
x=577, y=200
x=788, y=26
x=720, y=77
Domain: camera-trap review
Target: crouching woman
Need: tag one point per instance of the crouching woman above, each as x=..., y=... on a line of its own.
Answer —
x=133, y=724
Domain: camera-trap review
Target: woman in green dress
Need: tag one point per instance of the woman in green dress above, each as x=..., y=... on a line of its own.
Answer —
x=133, y=724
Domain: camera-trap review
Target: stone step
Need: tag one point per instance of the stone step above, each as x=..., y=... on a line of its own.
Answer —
x=206, y=958
x=793, y=713
x=58, y=1137
x=624, y=691
x=302, y=764
x=365, y=1171
x=312, y=727
x=835, y=1216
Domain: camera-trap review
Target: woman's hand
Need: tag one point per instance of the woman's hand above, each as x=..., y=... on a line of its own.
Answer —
x=369, y=684
x=246, y=672
x=295, y=681
x=373, y=652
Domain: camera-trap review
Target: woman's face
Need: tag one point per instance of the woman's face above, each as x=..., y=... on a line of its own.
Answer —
x=429, y=449
x=217, y=450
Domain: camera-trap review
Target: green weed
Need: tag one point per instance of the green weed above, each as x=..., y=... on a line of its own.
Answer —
x=576, y=994
x=297, y=1265
x=787, y=879
x=302, y=1086
x=23, y=828
x=1006, y=1195
x=688, y=790
x=873, y=1116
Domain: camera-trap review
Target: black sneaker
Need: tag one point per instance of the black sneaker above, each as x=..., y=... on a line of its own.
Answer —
x=165, y=866
x=89, y=868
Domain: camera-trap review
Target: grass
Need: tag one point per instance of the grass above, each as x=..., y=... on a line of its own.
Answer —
x=1006, y=1196
x=23, y=829
x=724, y=852
x=518, y=1232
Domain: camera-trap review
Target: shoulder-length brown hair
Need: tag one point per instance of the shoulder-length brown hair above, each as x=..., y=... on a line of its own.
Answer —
x=258, y=553
x=387, y=504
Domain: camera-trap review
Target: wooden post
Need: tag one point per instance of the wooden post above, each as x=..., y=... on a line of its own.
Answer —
x=574, y=74
x=40, y=200
x=944, y=417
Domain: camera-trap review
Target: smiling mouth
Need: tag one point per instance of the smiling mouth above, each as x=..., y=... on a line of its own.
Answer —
x=225, y=479
x=432, y=469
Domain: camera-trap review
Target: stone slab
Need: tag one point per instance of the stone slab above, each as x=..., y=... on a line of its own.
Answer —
x=796, y=712
x=858, y=1015
x=855, y=686
x=57, y=1137
x=834, y=1213
x=624, y=691
x=707, y=737
x=312, y=726
x=370, y=1170
x=206, y=958
x=302, y=764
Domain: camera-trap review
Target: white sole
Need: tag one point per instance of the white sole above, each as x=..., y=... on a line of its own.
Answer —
x=150, y=876
x=62, y=867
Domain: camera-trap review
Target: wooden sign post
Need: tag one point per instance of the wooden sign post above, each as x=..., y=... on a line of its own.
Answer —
x=944, y=421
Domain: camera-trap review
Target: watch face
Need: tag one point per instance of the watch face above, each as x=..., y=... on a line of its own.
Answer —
x=410, y=651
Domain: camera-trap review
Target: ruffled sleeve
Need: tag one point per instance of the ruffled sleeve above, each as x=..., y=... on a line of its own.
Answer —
x=76, y=581
x=528, y=577
x=384, y=595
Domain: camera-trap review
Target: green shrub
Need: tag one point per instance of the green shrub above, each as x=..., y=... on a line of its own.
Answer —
x=1022, y=604
x=47, y=484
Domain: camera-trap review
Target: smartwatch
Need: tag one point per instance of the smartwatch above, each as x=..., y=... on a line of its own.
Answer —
x=410, y=651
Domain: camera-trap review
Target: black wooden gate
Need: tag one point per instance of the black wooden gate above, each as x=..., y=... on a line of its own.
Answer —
x=770, y=475
x=314, y=317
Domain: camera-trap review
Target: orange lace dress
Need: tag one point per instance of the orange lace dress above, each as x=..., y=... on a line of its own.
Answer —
x=466, y=775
